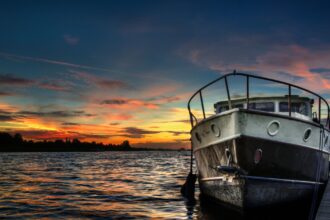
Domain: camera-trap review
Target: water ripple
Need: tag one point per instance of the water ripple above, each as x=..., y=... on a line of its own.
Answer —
x=115, y=185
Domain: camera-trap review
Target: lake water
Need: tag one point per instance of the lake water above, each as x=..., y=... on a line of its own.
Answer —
x=101, y=185
x=115, y=185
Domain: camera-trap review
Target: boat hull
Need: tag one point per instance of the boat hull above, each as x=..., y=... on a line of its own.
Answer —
x=283, y=172
x=281, y=175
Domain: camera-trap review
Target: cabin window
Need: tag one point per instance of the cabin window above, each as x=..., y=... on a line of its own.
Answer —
x=223, y=108
x=238, y=106
x=263, y=106
x=226, y=108
x=299, y=107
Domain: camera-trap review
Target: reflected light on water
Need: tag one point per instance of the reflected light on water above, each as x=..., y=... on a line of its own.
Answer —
x=117, y=185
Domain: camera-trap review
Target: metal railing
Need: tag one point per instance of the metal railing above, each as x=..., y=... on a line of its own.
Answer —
x=248, y=77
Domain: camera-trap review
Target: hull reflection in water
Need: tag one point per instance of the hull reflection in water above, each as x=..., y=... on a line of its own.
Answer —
x=210, y=209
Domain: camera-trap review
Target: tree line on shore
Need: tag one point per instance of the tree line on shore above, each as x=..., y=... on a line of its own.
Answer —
x=16, y=143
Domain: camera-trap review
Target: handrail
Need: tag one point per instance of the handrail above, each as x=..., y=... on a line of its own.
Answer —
x=248, y=76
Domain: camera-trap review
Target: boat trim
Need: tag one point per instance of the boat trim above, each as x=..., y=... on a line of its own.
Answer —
x=264, y=179
x=259, y=113
x=248, y=136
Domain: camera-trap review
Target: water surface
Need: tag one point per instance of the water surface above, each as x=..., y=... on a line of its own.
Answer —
x=116, y=185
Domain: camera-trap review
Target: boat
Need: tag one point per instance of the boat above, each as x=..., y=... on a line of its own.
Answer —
x=267, y=146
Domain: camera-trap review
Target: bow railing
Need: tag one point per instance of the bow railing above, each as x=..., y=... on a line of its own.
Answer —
x=224, y=93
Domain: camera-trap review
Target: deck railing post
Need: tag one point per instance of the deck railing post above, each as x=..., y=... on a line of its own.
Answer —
x=191, y=119
x=247, y=92
x=328, y=123
x=202, y=102
x=228, y=94
x=319, y=110
x=289, y=101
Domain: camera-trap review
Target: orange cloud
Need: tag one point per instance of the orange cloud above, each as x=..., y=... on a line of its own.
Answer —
x=120, y=117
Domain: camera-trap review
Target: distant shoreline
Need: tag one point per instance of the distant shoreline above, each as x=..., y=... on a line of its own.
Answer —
x=16, y=143
x=139, y=149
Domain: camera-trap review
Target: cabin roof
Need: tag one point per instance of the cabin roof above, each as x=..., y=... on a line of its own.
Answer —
x=294, y=98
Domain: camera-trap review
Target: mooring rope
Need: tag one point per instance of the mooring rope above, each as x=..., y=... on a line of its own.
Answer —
x=318, y=176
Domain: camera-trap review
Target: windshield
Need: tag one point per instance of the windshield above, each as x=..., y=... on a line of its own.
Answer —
x=299, y=107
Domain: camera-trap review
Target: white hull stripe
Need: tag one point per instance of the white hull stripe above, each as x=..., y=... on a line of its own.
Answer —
x=219, y=178
x=266, y=139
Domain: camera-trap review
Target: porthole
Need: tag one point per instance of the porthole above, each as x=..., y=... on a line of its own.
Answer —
x=307, y=134
x=215, y=130
x=257, y=156
x=273, y=127
x=198, y=137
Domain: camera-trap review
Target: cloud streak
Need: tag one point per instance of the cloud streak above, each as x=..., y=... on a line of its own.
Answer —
x=134, y=132
x=51, y=85
x=6, y=118
x=125, y=103
x=8, y=79
x=5, y=94
x=49, y=61
x=55, y=114
x=100, y=81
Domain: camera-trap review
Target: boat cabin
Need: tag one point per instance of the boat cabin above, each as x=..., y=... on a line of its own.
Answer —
x=301, y=107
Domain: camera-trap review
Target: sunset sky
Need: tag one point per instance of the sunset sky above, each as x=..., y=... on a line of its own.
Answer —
x=109, y=71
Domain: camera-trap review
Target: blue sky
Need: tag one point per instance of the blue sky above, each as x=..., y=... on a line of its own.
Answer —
x=119, y=68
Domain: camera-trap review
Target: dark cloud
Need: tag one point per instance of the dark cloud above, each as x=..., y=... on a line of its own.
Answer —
x=95, y=80
x=4, y=118
x=325, y=72
x=6, y=94
x=96, y=136
x=164, y=99
x=132, y=103
x=175, y=121
x=62, y=114
x=320, y=70
x=69, y=123
x=7, y=79
x=285, y=75
x=112, y=84
x=115, y=102
x=176, y=133
x=53, y=86
x=134, y=132
x=114, y=123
